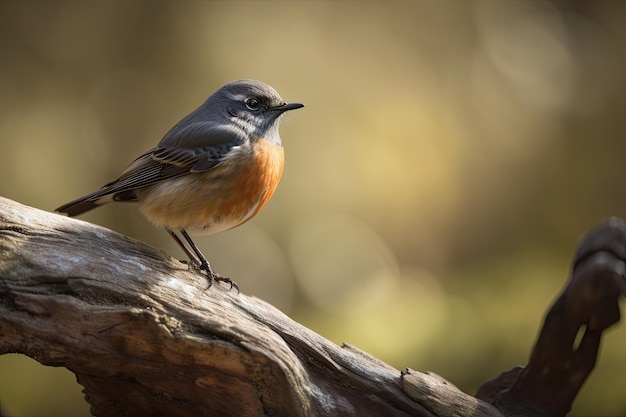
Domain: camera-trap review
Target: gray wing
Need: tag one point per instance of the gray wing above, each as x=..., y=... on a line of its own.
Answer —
x=196, y=148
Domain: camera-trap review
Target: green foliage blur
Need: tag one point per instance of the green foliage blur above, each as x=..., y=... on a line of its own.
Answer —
x=449, y=157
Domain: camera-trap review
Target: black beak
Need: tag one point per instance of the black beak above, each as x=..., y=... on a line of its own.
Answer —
x=288, y=106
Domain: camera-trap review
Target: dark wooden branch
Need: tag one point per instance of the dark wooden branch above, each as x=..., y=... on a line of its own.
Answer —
x=145, y=338
x=568, y=344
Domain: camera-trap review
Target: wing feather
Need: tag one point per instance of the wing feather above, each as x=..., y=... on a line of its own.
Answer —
x=196, y=147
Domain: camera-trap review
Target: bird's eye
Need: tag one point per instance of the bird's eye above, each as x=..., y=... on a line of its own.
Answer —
x=252, y=103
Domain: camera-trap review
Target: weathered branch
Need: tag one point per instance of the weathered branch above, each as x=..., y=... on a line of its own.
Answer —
x=568, y=344
x=145, y=337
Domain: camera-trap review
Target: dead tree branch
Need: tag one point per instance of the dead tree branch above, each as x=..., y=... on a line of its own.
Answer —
x=145, y=338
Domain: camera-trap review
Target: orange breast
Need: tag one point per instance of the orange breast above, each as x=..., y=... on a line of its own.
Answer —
x=221, y=198
x=255, y=184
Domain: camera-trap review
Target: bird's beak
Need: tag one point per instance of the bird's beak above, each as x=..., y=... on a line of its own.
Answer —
x=288, y=106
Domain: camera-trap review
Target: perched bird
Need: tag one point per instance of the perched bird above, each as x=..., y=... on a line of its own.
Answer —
x=214, y=170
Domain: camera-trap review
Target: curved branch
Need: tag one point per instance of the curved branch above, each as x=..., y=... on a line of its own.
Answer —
x=145, y=338
x=568, y=345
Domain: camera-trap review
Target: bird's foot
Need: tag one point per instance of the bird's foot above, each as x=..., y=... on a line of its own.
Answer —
x=212, y=276
x=219, y=278
x=196, y=266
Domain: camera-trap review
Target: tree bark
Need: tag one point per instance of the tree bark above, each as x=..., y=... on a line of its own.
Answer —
x=145, y=337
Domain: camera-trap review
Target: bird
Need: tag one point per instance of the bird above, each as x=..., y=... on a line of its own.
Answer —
x=214, y=170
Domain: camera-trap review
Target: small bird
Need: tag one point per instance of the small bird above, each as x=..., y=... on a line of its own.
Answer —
x=214, y=170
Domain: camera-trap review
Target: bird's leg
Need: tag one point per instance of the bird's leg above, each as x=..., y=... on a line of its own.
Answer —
x=192, y=258
x=198, y=256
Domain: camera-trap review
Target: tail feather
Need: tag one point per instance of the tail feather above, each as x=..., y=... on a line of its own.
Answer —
x=86, y=203
x=95, y=199
x=77, y=207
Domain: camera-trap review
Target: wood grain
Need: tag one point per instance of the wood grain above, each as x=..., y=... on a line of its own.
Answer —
x=146, y=338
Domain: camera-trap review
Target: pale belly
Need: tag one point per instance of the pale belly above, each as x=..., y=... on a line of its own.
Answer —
x=219, y=199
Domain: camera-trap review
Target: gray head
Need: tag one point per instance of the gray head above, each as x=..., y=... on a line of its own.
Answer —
x=236, y=111
x=252, y=105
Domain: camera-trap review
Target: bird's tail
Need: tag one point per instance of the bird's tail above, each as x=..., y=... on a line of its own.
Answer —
x=85, y=203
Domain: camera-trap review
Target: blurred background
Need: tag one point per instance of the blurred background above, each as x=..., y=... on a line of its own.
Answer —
x=450, y=155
